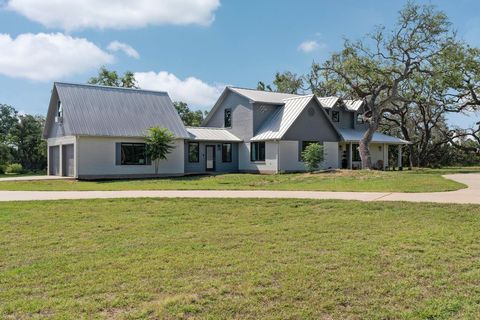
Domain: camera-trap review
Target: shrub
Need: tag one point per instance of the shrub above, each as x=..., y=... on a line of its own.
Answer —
x=313, y=155
x=2, y=169
x=14, y=168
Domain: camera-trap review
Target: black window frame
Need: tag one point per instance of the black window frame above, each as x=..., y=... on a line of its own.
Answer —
x=227, y=119
x=335, y=116
x=227, y=156
x=190, y=152
x=59, y=109
x=356, y=152
x=303, y=145
x=257, y=146
x=134, y=145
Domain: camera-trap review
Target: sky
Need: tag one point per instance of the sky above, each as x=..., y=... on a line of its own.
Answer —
x=189, y=48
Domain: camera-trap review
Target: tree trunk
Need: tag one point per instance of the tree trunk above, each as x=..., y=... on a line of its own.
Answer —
x=364, y=148
x=156, y=164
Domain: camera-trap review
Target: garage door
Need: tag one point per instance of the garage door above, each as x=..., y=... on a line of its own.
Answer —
x=68, y=162
x=54, y=160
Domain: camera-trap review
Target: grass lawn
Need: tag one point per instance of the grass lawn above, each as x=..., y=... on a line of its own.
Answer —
x=242, y=259
x=420, y=180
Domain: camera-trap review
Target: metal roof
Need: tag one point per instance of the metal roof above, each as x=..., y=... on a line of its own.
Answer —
x=211, y=134
x=264, y=96
x=282, y=118
x=328, y=102
x=351, y=135
x=110, y=111
x=353, y=105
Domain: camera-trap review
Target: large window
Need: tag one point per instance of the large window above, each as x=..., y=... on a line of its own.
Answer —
x=228, y=118
x=305, y=144
x=355, y=153
x=257, y=151
x=193, y=152
x=227, y=152
x=133, y=154
x=335, y=116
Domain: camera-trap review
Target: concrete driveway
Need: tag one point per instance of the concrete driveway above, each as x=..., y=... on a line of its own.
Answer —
x=470, y=195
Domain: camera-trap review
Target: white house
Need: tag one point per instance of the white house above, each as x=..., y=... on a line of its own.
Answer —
x=97, y=132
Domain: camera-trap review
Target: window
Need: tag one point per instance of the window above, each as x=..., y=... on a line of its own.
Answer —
x=355, y=153
x=335, y=116
x=305, y=144
x=257, y=151
x=59, y=109
x=228, y=118
x=133, y=154
x=227, y=152
x=193, y=152
x=359, y=118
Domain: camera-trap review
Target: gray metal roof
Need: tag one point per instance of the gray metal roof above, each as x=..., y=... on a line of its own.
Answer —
x=328, y=102
x=110, y=111
x=353, y=105
x=280, y=121
x=351, y=135
x=211, y=134
x=263, y=96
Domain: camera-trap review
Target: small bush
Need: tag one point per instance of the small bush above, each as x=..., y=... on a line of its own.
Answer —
x=14, y=168
x=313, y=155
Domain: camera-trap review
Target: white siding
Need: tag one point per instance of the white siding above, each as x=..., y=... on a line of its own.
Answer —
x=96, y=157
x=269, y=166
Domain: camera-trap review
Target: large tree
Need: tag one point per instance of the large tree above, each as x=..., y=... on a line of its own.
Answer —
x=26, y=137
x=376, y=68
x=189, y=117
x=111, y=78
x=286, y=82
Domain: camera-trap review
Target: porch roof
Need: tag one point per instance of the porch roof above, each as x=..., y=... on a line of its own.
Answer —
x=351, y=135
x=211, y=134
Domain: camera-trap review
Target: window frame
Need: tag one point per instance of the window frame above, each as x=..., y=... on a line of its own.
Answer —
x=335, y=116
x=359, y=118
x=303, y=145
x=133, y=144
x=230, y=153
x=256, y=146
x=229, y=111
x=197, y=153
x=59, y=109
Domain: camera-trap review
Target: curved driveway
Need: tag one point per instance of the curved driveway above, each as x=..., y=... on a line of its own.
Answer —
x=470, y=195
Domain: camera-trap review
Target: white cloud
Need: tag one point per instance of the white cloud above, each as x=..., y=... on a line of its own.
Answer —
x=308, y=46
x=46, y=57
x=190, y=90
x=119, y=14
x=125, y=48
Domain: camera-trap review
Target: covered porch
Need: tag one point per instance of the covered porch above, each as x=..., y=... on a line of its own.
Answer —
x=380, y=148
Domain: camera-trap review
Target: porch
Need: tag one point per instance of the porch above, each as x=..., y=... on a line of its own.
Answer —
x=349, y=155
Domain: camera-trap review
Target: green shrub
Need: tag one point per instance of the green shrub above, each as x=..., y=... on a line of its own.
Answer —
x=2, y=169
x=14, y=168
x=313, y=155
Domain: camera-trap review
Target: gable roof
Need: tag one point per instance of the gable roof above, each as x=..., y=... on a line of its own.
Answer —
x=110, y=111
x=275, y=127
x=211, y=134
x=353, y=105
x=328, y=102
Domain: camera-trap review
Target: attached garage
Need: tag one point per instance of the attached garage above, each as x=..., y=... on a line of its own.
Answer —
x=54, y=161
x=68, y=163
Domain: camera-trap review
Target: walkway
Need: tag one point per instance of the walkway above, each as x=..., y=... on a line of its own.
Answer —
x=470, y=195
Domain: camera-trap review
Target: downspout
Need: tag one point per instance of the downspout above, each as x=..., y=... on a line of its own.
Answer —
x=278, y=156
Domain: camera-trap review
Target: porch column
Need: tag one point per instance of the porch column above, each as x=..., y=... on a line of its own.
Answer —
x=399, y=157
x=350, y=156
x=385, y=156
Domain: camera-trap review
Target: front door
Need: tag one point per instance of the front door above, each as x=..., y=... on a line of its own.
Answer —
x=210, y=158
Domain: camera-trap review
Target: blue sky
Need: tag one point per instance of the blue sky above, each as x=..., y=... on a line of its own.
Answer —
x=214, y=43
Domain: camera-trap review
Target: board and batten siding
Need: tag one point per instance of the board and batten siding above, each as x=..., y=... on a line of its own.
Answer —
x=289, y=156
x=96, y=157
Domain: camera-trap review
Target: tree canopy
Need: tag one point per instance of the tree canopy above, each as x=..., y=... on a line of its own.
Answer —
x=111, y=78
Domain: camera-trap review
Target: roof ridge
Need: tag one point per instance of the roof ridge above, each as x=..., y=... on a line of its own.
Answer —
x=107, y=87
x=213, y=128
x=299, y=97
x=258, y=90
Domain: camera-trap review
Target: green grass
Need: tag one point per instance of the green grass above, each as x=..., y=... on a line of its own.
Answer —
x=423, y=180
x=11, y=175
x=242, y=259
